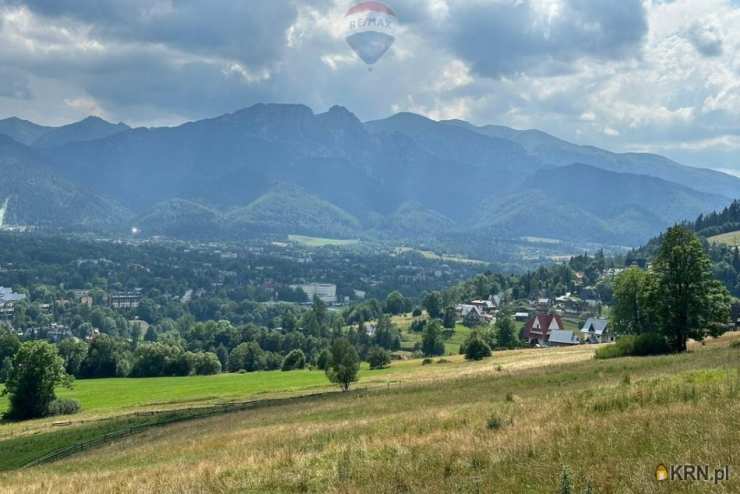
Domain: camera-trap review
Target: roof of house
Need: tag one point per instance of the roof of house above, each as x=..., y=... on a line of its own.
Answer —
x=8, y=295
x=563, y=337
x=545, y=321
x=595, y=325
x=465, y=309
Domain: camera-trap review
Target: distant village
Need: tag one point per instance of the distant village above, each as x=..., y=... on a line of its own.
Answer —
x=574, y=318
x=544, y=322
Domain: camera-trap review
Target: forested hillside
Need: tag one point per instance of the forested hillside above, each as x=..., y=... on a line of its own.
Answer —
x=283, y=168
x=725, y=258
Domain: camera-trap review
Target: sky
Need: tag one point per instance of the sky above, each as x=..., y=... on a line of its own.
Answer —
x=657, y=76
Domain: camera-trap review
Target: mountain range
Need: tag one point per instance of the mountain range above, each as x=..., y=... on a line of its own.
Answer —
x=281, y=169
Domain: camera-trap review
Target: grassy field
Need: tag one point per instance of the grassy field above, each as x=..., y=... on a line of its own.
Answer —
x=321, y=242
x=428, y=254
x=507, y=424
x=731, y=239
x=102, y=398
x=409, y=338
x=106, y=395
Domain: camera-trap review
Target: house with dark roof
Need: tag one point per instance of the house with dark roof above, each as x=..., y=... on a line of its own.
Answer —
x=484, y=306
x=537, y=330
x=474, y=317
x=596, y=330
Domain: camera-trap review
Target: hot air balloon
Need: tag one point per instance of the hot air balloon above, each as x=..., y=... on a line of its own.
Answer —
x=370, y=28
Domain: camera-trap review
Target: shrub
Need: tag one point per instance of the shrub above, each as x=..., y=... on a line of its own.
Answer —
x=418, y=325
x=475, y=348
x=495, y=422
x=248, y=356
x=63, y=407
x=443, y=361
x=566, y=481
x=159, y=359
x=273, y=361
x=610, y=351
x=416, y=313
x=207, y=364
x=650, y=344
x=426, y=361
x=183, y=365
x=735, y=344
x=638, y=346
x=294, y=360
x=378, y=358
x=36, y=370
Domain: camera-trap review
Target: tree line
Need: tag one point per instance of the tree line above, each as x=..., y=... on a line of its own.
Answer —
x=674, y=299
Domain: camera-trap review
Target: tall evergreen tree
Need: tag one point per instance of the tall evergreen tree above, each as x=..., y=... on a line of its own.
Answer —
x=505, y=331
x=433, y=304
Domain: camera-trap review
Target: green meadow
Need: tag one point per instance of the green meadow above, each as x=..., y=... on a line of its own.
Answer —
x=103, y=396
x=512, y=423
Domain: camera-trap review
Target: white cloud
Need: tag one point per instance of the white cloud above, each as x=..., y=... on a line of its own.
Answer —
x=86, y=106
x=645, y=74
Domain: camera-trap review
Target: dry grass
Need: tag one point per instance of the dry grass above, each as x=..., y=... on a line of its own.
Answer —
x=400, y=372
x=432, y=434
x=731, y=239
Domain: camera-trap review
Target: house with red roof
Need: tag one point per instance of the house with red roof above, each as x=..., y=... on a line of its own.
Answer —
x=537, y=330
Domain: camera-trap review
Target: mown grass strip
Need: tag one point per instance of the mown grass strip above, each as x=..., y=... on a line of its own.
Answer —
x=32, y=450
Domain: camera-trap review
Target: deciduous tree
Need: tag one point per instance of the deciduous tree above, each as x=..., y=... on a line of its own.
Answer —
x=36, y=371
x=689, y=302
x=344, y=363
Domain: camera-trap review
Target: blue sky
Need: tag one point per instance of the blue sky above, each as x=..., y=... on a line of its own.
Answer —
x=628, y=75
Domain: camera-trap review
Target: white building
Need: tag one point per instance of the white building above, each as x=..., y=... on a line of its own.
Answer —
x=8, y=299
x=326, y=292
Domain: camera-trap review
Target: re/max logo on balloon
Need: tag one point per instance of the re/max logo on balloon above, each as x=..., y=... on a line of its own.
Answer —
x=370, y=30
x=371, y=21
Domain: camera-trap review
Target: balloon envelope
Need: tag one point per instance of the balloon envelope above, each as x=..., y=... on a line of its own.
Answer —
x=370, y=29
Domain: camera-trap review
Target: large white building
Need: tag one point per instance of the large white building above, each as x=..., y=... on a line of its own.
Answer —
x=326, y=292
